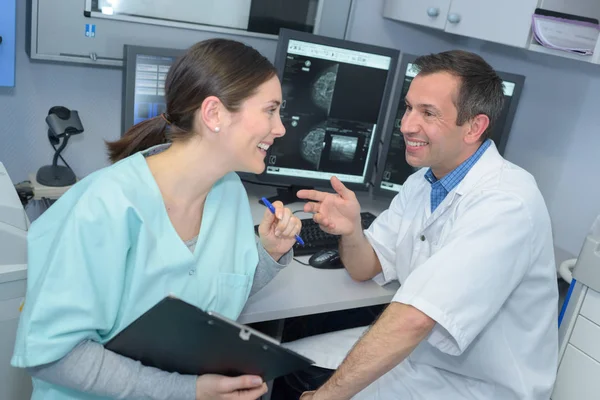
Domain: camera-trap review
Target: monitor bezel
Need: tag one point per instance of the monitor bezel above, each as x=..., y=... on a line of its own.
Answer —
x=518, y=80
x=130, y=53
x=395, y=103
x=285, y=35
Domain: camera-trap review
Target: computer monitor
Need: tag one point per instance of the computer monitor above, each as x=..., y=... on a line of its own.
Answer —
x=335, y=98
x=393, y=169
x=144, y=74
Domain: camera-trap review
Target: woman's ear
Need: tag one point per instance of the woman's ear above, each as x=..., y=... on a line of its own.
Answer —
x=210, y=113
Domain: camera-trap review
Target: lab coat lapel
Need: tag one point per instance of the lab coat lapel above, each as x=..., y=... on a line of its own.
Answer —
x=490, y=160
x=440, y=210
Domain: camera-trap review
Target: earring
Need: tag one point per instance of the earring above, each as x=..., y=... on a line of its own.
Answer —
x=217, y=129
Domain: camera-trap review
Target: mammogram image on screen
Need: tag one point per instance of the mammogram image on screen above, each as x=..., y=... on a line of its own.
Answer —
x=323, y=88
x=343, y=148
x=311, y=145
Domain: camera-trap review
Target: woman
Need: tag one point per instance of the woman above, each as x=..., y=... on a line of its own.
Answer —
x=168, y=217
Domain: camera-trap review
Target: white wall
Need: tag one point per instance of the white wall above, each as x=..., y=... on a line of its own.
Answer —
x=555, y=134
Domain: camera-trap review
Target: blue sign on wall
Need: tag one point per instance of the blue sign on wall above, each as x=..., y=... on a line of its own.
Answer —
x=8, y=20
x=90, y=30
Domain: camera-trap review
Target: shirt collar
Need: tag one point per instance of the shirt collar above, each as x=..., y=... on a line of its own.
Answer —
x=450, y=181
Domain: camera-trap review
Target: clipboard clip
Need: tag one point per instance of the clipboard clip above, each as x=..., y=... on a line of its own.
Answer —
x=245, y=334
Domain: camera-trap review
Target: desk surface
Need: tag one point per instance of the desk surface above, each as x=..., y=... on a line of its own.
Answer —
x=46, y=192
x=300, y=289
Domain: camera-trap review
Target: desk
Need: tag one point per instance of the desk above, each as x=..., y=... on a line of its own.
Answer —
x=302, y=290
x=41, y=192
x=43, y=195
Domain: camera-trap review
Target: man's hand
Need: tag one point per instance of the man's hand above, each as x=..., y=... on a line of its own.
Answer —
x=338, y=213
x=307, y=395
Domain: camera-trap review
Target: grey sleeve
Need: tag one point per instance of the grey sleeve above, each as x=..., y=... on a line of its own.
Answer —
x=90, y=368
x=268, y=268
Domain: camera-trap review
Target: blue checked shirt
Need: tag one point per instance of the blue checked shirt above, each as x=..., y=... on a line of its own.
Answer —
x=440, y=188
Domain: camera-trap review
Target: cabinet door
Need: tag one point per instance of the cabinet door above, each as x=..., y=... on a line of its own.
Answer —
x=577, y=377
x=8, y=21
x=507, y=21
x=431, y=13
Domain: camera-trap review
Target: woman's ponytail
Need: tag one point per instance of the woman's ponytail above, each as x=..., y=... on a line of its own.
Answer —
x=139, y=137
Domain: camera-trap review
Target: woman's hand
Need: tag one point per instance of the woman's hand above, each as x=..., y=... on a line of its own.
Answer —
x=277, y=232
x=219, y=387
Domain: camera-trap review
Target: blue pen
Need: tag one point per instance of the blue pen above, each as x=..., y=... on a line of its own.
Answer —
x=272, y=209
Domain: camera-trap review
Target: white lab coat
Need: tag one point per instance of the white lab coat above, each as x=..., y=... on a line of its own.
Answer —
x=482, y=266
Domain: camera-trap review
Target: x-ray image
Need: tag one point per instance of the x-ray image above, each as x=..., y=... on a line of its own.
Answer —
x=311, y=146
x=323, y=87
x=343, y=148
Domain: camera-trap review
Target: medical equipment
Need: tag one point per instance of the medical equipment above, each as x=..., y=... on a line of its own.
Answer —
x=15, y=384
x=579, y=333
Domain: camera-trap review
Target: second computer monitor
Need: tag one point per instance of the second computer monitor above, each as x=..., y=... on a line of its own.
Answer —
x=335, y=95
x=144, y=74
x=395, y=170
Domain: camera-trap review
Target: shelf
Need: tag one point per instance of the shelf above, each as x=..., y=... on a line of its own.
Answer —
x=560, y=53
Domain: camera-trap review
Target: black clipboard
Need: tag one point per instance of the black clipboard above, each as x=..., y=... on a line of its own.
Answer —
x=175, y=336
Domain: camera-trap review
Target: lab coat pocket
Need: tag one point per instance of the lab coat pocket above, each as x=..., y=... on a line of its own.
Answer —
x=232, y=293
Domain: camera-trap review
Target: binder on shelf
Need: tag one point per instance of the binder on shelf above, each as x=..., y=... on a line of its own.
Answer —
x=566, y=32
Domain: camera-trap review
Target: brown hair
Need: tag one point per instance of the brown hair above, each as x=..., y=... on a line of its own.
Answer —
x=481, y=89
x=229, y=70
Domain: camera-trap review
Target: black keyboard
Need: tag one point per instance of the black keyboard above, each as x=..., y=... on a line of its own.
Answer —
x=315, y=239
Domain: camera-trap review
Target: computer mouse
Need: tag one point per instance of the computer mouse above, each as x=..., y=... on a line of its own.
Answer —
x=326, y=259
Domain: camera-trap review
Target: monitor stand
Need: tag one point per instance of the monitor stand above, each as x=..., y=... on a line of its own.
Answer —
x=287, y=195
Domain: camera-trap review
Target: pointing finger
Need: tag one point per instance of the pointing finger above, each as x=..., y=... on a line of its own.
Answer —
x=311, y=195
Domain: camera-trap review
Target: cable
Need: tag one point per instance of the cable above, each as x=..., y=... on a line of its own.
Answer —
x=263, y=184
x=25, y=192
x=61, y=157
x=303, y=263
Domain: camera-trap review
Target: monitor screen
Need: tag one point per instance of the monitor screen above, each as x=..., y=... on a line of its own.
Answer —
x=335, y=95
x=395, y=168
x=144, y=74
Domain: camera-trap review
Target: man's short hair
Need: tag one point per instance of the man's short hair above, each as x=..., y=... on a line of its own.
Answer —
x=480, y=91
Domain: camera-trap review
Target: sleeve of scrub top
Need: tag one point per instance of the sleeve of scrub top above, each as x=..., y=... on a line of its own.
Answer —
x=267, y=267
x=463, y=285
x=383, y=234
x=90, y=368
x=76, y=279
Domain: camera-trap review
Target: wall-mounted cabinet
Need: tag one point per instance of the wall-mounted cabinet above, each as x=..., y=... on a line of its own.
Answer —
x=8, y=19
x=87, y=32
x=507, y=22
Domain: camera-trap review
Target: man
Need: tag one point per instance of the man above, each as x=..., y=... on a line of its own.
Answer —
x=469, y=239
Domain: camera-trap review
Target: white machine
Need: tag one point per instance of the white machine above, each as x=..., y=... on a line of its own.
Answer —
x=579, y=333
x=15, y=384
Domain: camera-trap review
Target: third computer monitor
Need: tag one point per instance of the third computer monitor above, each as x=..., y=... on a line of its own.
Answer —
x=335, y=98
x=395, y=169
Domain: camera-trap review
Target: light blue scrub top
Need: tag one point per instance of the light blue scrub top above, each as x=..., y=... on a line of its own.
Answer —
x=106, y=252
